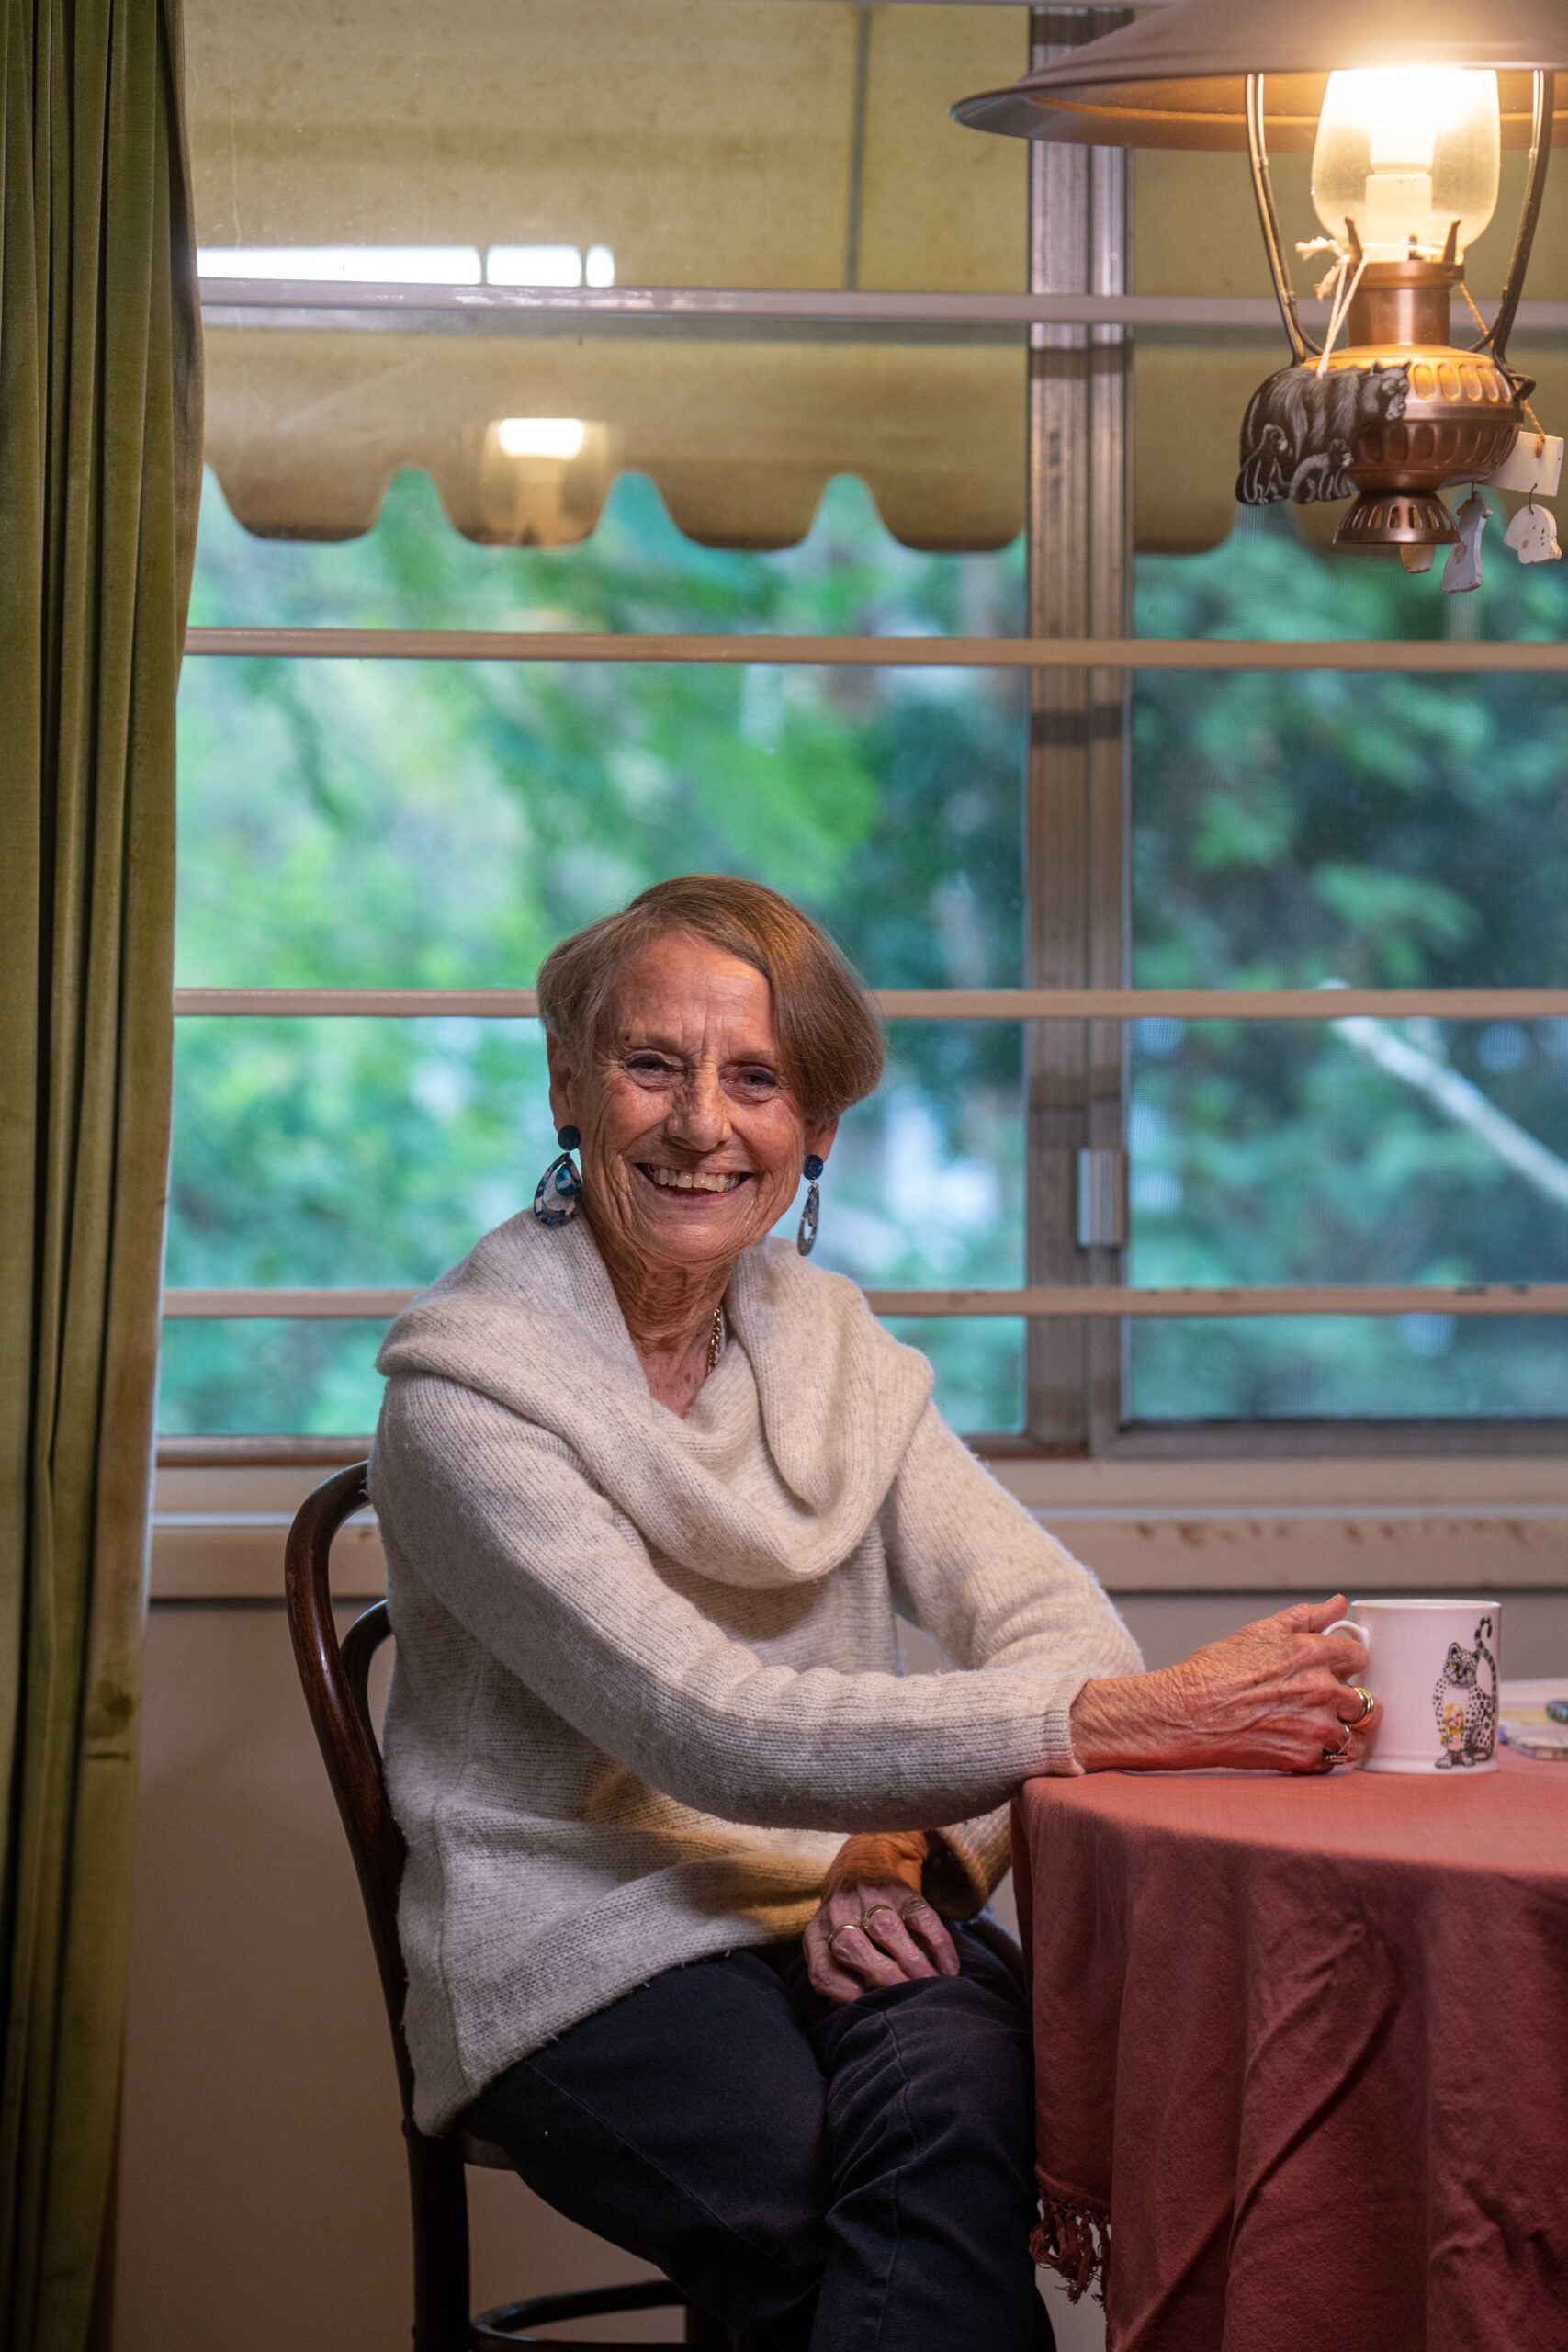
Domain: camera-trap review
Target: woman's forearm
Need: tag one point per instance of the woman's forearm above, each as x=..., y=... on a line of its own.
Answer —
x=1130, y=1723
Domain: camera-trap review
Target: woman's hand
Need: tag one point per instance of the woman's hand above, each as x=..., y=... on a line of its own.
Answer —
x=1273, y=1697
x=875, y=1925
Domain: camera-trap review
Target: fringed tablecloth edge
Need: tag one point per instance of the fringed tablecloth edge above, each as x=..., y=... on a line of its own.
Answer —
x=1073, y=2238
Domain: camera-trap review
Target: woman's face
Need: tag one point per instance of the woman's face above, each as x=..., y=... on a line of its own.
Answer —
x=691, y=1141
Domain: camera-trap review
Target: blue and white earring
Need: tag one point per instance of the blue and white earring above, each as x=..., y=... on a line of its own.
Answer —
x=805, y=1239
x=560, y=1187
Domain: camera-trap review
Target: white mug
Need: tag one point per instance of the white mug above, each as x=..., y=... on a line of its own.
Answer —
x=1433, y=1665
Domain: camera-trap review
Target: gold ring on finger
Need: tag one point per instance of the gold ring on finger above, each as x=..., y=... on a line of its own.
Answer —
x=1367, y=1704
x=876, y=1912
x=850, y=1928
x=916, y=1903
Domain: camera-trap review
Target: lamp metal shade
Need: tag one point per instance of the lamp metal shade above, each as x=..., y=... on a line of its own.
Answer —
x=1178, y=77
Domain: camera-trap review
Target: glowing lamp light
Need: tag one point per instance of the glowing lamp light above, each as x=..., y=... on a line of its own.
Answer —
x=560, y=438
x=1403, y=155
x=1406, y=107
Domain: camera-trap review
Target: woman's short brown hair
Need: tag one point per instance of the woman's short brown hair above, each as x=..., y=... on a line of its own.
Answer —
x=829, y=1037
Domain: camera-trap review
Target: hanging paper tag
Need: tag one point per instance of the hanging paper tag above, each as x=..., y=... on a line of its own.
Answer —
x=1535, y=462
x=1532, y=535
x=1463, y=572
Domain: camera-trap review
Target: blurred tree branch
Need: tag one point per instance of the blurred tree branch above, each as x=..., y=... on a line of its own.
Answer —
x=1458, y=1100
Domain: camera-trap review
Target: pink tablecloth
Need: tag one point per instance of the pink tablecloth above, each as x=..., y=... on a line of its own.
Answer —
x=1303, y=2045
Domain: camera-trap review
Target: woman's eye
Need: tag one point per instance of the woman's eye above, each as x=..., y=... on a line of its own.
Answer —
x=758, y=1081
x=647, y=1065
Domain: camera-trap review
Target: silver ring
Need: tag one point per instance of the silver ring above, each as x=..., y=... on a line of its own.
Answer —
x=1338, y=1755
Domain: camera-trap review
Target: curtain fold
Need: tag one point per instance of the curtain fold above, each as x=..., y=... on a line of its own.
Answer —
x=99, y=478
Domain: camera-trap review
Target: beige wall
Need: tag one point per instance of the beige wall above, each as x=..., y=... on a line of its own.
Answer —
x=263, y=2200
x=262, y=2194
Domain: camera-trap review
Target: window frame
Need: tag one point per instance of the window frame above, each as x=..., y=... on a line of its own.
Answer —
x=1080, y=316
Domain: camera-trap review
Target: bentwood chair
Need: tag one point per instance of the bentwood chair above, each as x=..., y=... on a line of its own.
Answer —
x=336, y=1680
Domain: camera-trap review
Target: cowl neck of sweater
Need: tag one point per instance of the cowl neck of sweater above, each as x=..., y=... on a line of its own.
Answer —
x=788, y=1450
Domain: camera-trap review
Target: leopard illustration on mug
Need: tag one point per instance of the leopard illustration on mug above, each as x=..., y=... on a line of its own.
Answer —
x=1435, y=1663
x=1466, y=1706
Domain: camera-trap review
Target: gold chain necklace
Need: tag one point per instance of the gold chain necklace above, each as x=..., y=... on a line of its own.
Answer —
x=716, y=1340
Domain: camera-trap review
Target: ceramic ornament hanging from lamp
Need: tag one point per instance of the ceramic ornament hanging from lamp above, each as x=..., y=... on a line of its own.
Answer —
x=1405, y=107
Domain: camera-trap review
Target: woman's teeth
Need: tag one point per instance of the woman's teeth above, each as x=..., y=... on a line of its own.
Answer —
x=686, y=1179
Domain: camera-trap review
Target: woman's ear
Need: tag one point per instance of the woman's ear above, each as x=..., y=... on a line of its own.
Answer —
x=819, y=1140
x=564, y=1086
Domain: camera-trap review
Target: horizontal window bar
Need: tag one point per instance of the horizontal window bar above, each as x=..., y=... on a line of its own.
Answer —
x=1151, y=1515
x=542, y=327
x=1224, y=1448
x=930, y=1005
x=1422, y=655
x=526, y=307
x=1107, y=1304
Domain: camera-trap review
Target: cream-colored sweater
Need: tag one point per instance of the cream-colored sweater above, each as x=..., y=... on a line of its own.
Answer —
x=648, y=1668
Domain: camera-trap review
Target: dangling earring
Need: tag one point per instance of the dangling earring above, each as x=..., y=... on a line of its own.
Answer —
x=805, y=1239
x=559, y=1188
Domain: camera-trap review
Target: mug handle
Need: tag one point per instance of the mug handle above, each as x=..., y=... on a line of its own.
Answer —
x=1349, y=1625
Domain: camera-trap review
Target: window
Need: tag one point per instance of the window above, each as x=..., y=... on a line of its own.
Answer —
x=485, y=527
x=1323, y=831
x=436, y=825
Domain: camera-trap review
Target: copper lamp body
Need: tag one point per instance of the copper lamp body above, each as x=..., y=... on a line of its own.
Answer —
x=1460, y=418
x=1397, y=411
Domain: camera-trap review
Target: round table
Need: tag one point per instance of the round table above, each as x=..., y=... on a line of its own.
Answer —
x=1302, y=2055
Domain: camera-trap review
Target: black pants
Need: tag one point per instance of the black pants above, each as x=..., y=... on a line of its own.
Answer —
x=851, y=2179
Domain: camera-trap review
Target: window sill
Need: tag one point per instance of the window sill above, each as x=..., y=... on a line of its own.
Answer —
x=1431, y=1523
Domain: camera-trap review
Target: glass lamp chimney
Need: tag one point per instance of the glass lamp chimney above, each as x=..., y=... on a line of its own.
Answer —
x=1403, y=155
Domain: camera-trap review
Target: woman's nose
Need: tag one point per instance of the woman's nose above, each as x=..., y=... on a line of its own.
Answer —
x=699, y=1115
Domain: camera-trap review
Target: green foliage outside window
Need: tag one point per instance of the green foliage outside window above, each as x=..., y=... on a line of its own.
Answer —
x=410, y=824
x=442, y=824
x=1305, y=830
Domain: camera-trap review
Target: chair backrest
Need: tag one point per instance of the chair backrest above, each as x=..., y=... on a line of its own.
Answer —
x=336, y=1678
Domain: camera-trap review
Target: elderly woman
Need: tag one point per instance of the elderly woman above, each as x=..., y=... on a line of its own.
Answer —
x=689, y=1856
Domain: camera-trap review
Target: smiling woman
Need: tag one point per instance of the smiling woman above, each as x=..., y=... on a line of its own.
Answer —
x=652, y=1490
x=654, y=1493
x=702, y=1044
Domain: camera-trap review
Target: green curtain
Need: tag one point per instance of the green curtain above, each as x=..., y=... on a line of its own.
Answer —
x=99, y=480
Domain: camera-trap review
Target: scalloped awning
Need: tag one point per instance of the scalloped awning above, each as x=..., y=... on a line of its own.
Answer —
x=306, y=429
x=703, y=142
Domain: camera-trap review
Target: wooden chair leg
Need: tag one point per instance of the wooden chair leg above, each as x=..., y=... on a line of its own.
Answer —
x=439, y=2197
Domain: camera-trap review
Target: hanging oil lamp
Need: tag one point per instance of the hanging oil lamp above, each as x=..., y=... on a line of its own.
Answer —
x=1406, y=107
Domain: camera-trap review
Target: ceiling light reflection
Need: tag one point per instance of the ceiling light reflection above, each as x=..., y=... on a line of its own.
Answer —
x=541, y=437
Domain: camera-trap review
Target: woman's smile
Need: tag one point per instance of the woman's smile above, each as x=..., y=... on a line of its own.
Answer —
x=693, y=1183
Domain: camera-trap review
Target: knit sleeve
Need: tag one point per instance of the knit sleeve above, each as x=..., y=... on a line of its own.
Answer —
x=497, y=1520
x=979, y=1574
